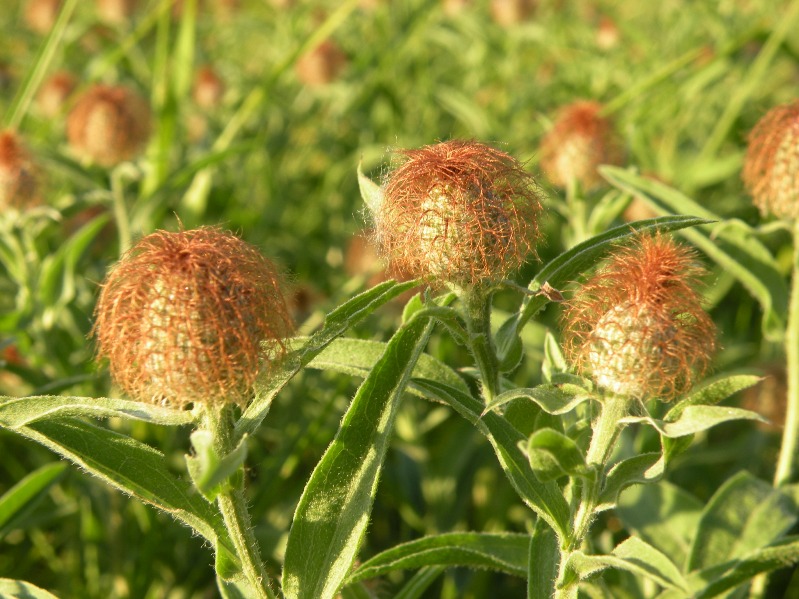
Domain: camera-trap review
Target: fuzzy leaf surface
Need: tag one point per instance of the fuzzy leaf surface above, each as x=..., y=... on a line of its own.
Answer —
x=644, y=468
x=542, y=564
x=19, y=589
x=694, y=419
x=713, y=392
x=334, y=509
x=504, y=552
x=552, y=455
x=550, y=398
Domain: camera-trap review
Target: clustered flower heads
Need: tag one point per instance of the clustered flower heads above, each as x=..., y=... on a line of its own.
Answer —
x=771, y=167
x=580, y=141
x=109, y=124
x=189, y=317
x=18, y=188
x=637, y=325
x=459, y=211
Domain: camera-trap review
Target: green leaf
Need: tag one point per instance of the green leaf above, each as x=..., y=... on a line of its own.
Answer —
x=663, y=515
x=552, y=455
x=20, y=498
x=357, y=357
x=504, y=552
x=543, y=562
x=336, y=323
x=742, y=516
x=416, y=586
x=133, y=468
x=20, y=411
x=644, y=468
x=19, y=589
x=713, y=392
x=544, y=498
x=550, y=398
x=333, y=511
x=733, y=245
x=371, y=192
x=554, y=362
x=633, y=555
x=778, y=555
x=210, y=471
x=694, y=419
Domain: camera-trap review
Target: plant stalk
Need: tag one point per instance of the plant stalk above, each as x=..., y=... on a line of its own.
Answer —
x=478, y=324
x=786, y=463
x=233, y=507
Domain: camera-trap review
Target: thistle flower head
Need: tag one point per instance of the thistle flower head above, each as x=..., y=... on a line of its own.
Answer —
x=459, y=211
x=637, y=325
x=771, y=167
x=109, y=124
x=190, y=317
x=54, y=93
x=580, y=140
x=322, y=65
x=18, y=188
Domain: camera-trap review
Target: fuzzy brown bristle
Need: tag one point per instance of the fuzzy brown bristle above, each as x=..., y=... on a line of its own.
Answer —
x=191, y=317
x=18, y=174
x=459, y=211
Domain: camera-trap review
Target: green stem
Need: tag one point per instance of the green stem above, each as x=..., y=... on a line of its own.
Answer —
x=233, y=507
x=478, y=325
x=786, y=463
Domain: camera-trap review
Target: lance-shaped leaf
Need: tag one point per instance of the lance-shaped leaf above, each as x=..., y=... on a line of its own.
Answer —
x=504, y=552
x=211, y=472
x=334, y=509
x=694, y=419
x=733, y=245
x=371, y=192
x=19, y=589
x=552, y=455
x=24, y=495
x=550, y=398
x=543, y=562
x=713, y=392
x=644, y=468
x=336, y=323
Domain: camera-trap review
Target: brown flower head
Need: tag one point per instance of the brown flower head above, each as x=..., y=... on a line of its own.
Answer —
x=18, y=176
x=508, y=13
x=190, y=317
x=322, y=65
x=54, y=93
x=637, y=325
x=109, y=124
x=580, y=141
x=771, y=167
x=208, y=88
x=459, y=211
x=41, y=15
x=117, y=12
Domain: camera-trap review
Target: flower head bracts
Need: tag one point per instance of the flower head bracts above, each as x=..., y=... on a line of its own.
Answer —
x=637, y=326
x=459, y=211
x=190, y=317
x=771, y=167
x=18, y=174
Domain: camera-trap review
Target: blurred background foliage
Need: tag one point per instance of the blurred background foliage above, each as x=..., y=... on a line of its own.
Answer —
x=271, y=153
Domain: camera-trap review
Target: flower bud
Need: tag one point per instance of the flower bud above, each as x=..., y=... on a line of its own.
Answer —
x=109, y=124
x=190, y=317
x=637, y=326
x=771, y=166
x=18, y=178
x=580, y=141
x=459, y=211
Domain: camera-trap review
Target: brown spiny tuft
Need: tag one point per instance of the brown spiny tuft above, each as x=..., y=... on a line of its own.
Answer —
x=189, y=317
x=458, y=211
x=580, y=140
x=771, y=167
x=18, y=174
x=637, y=325
x=109, y=124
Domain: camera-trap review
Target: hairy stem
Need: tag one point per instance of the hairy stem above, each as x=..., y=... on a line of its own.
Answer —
x=786, y=463
x=478, y=324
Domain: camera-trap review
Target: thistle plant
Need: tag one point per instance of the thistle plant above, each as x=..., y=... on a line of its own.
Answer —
x=18, y=174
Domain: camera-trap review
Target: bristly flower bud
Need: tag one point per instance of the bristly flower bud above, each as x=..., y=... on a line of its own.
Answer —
x=109, y=124
x=771, y=167
x=191, y=317
x=18, y=178
x=54, y=93
x=458, y=211
x=580, y=141
x=637, y=325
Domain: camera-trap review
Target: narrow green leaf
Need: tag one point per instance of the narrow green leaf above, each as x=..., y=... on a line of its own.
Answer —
x=544, y=498
x=25, y=494
x=644, y=468
x=781, y=554
x=732, y=245
x=743, y=515
x=554, y=362
x=504, y=552
x=336, y=323
x=333, y=511
x=19, y=411
x=663, y=515
x=552, y=455
x=19, y=589
x=371, y=192
x=550, y=398
x=633, y=555
x=713, y=392
x=133, y=468
x=210, y=471
x=416, y=586
x=694, y=419
x=543, y=562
